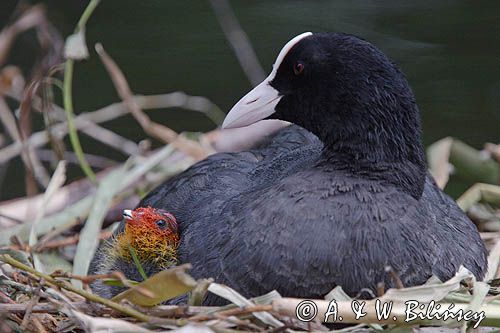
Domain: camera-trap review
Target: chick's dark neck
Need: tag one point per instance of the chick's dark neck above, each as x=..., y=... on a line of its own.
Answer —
x=375, y=138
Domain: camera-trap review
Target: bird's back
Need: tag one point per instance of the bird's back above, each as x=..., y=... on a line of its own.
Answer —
x=274, y=194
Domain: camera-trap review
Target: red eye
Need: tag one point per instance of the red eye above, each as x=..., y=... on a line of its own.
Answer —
x=298, y=68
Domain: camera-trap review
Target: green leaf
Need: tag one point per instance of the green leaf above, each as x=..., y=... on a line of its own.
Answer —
x=118, y=283
x=52, y=261
x=137, y=263
x=20, y=256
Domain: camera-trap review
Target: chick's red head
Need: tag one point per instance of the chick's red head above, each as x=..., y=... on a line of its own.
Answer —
x=152, y=233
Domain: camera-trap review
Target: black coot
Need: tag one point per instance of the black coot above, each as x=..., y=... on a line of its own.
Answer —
x=302, y=215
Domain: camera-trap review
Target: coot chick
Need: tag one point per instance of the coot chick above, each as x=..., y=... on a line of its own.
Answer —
x=302, y=216
x=152, y=234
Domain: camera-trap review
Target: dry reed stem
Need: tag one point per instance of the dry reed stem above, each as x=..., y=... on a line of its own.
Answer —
x=63, y=242
x=31, y=162
x=29, y=19
x=108, y=113
x=239, y=41
x=494, y=150
x=233, y=312
x=158, y=131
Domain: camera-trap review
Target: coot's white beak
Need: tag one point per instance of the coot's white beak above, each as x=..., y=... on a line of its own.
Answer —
x=260, y=102
x=127, y=214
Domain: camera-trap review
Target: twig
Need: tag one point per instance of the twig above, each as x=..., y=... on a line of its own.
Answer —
x=56, y=244
x=493, y=261
x=234, y=312
x=237, y=321
x=56, y=231
x=177, y=310
x=158, y=131
x=239, y=41
x=13, y=219
x=29, y=19
x=76, y=194
x=8, y=120
x=116, y=275
x=5, y=299
x=40, y=307
x=49, y=41
x=113, y=111
x=110, y=138
x=485, y=236
x=494, y=150
x=87, y=279
x=157, y=311
x=28, y=157
x=479, y=192
x=35, y=171
x=29, y=307
x=96, y=161
x=473, y=164
x=38, y=325
x=89, y=296
x=88, y=127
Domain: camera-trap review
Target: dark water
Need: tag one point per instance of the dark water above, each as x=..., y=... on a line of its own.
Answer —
x=450, y=51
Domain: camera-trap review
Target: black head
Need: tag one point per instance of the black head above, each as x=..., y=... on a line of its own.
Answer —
x=348, y=93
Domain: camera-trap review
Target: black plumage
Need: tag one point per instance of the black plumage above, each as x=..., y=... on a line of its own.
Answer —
x=302, y=214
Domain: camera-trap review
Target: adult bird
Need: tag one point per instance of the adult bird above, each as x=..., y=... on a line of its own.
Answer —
x=302, y=216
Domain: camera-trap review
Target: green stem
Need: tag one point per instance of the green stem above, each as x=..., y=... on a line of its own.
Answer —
x=68, y=98
x=137, y=263
x=89, y=296
x=471, y=165
x=73, y=135
x=86, y=14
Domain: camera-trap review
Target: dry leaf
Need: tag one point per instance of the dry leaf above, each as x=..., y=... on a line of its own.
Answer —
x=438, y=156
x=76, y=47
x=432, y=290
x=164, y=285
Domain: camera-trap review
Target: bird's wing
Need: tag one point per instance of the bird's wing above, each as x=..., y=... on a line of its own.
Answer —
x=349, y=222
x=202, y=190
x=466, y=248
